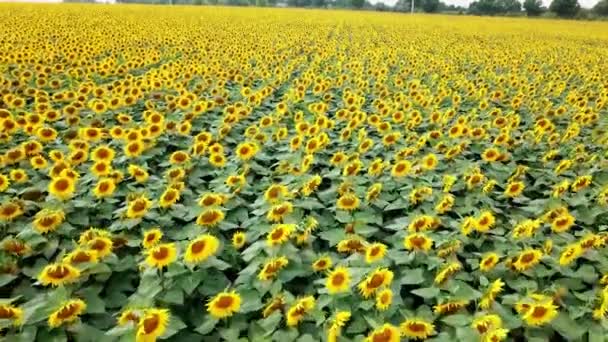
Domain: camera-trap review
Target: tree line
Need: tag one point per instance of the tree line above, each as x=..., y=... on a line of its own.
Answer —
x=531, y=8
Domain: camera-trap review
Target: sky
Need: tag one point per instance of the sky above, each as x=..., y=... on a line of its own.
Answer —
x=584, y=3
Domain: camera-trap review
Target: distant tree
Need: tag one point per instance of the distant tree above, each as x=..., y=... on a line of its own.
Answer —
x=533, y=7
x=319, y=3
x=601, y=8
x=404, y=5
x=565, y=8
x=381, y=7
x=485, y=7
x=272, y=2
x=430, y=6
x=357, y=3
x=261, y=3
x=509, y=6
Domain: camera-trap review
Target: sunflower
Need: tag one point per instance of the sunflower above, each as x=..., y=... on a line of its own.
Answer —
x=92, y=233
x=279, y=234
x=102, y=245
x=491, y=154
x=295, y=314
x=68, y=312
x=445, y=204
x=485, y=323
x=211, y=199
x=449, y=307
x=514, y=189
x=210, y=217
x=401, y=168
x=151, y=238
x=272, y=267
x=275, y=193
x=380, y=277
x=321, y=264
x=562, y=223
x=429, y=162
x=352, y=244
x=384, y=298
x=179, y=157
x=447, y=271
x=236, y=181
x=152, y=324
x=540, y=313
x=279, y=211
x=37, y=163
x=348, y=202
x=134, y=148
x=375, y=252
x=488, y=261
x=384, y=333
x=416, y=328
x=239, y=239
x=58, y=274
x=224, y=304
x=62, y=187
x=11, y=313
x=129, y=316
x=19, y=176
x=339, y=321
x=311, y=185
x=581, y=182
x=168, y=198
x=495, y=335
x=338, y=280
x=105, y=187
x=418, y=242
x=103, y=153
x=161, y=255
x=275, y=304
x=137, y=172
x=373, y=192
x=201, y=249
x=138, y=207
x=485, y=221
x=15, y=247
x=101, y=168
x=570, y=254
x=246, y=150
x=495, y=288
x=527, y=259
x=80, y=255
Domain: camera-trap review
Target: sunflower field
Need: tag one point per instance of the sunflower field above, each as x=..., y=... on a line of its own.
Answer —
x=240, y=174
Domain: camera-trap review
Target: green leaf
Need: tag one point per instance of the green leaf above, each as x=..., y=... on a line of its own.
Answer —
x=250, y=301
x=596, y=333
x=457, y=320
x=567, y=327
x=174, y=296
x=230, y=334
x=413, y=277
x=208, y=325
x=94, y=303
x=270, y=323
x=189, y=282
x=428, y=292
x=6, y=278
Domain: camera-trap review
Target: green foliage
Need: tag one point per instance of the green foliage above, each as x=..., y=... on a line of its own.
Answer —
x=565, y=8
x=601, y=8
x=493, y=7
x=430, y=6
x=533, y=7
x=357, y=3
